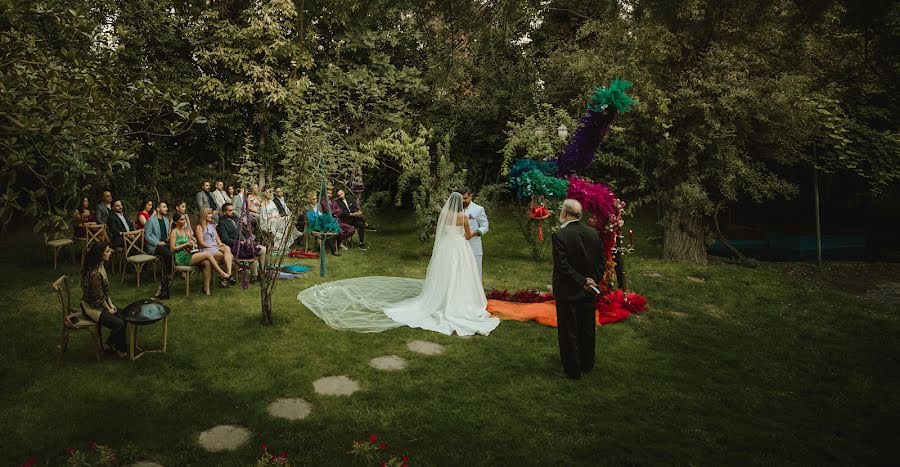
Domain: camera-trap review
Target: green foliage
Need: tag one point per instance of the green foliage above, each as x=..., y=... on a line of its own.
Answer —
x=69, y=122
x=536, y=136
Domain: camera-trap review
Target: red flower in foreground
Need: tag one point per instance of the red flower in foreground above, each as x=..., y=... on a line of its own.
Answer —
x=382, y=445
x=70, y=451
x=373, y=438
x=284, y=454
x=30, y=462
x=93, y=446
x=405, y=458
x=264, y=446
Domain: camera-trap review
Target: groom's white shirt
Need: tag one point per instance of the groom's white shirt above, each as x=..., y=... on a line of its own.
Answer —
x=477, y=221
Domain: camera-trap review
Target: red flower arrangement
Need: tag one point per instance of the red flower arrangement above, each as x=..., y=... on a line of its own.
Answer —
x=271, y=459
x=520, y=296
x=375, y=454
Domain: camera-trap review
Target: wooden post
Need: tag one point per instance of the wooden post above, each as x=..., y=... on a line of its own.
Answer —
x=818, y=220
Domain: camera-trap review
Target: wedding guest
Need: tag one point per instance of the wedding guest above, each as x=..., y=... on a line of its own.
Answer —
x=209, y=241
x=351, y=214
x=181, y=208
x=118, y=223
x=82, y=216
x=576, y=272
x=95, y=302
x=229, y=193
x=229, y=233
x=237, y=200
x=273, y=220
x=144, y=214
x=347, y=230
x=219, y=195
x=205, y=199
x=156, y=238
x=187, y=252
x=281, y=203
x=254, y=201
x=104, y=208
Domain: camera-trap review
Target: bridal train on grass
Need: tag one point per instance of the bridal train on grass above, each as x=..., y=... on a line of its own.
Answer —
x=450, y=299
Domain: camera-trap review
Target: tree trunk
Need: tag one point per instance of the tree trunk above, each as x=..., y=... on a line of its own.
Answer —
x=266, y=296
x=685, y=237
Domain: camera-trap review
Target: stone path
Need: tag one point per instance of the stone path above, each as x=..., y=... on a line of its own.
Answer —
x=146, y=464
x=335, y=386
x=223, y=438
x=425, y=347
x=290, y=408
x=651, y=274
x=696, y=279
x=388, y=363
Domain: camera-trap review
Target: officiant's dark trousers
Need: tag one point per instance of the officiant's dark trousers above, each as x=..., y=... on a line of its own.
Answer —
x=577, y=332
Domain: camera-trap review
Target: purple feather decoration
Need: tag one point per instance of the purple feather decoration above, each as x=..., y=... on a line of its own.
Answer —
x=595, y=198
x=579, y=153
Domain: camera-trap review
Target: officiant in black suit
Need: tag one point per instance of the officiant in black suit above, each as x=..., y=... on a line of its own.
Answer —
x=577, y=258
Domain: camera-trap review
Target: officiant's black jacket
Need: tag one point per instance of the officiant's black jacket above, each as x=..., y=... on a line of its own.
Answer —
x=577, y=254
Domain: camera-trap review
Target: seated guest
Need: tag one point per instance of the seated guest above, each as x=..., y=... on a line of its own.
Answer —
x=187, y=252
x=229, y=193
x=208, y=239
x=144, y=214
x=275, y=221
x=104, y=208
x=229, y=233
x=82, y=216
x=205, y=199
x=353, y=215
x=156, y=239
x=95, y=302
x=281, y=203
x=118, y=223
x=219, y=195
x=181, y=208
x=347, y=230
x=254, y=202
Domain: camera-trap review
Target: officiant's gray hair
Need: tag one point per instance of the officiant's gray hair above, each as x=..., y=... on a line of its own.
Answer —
x=572, y=208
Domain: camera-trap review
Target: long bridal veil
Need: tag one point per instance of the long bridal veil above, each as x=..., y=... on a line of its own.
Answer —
x=358, y=304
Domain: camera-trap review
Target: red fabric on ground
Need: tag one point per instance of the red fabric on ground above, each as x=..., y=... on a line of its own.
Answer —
x=545, y=312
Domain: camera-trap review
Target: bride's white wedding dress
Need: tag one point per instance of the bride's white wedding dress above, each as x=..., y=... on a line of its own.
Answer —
x=450, y=299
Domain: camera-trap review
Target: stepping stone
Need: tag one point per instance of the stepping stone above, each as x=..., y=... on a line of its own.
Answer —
x=388, y=363
x=291, y=409
x=335, y=386
x=696, y=279
x=651, y=274
x=224, y=438
x=425, y=348
x=146, y=464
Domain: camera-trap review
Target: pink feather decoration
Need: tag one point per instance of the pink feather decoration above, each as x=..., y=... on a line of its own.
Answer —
x=595, y=198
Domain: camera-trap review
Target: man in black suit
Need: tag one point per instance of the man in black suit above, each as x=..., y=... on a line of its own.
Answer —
x=117, y=224
x=577, y=258
x=353, y=215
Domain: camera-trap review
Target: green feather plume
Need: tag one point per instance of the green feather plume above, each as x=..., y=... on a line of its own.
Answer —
x=613, y=96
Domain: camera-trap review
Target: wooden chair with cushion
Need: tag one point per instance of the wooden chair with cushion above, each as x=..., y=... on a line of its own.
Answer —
x=186, y=272
x=58, y=244
x=73, y=320
x=93, y=233
x=135, y=255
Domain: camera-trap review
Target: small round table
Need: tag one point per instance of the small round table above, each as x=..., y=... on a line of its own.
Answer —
x=143, y=313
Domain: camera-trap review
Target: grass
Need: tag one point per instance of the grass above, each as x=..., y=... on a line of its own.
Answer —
x=779, y=364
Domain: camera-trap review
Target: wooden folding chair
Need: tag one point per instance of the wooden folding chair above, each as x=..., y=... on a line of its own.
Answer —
x=135, y=254
x=186, y=272
x=93, y=233
x=58, y=244
x=73, y=320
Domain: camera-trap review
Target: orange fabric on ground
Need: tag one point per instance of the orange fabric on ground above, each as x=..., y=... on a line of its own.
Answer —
x=544, y=313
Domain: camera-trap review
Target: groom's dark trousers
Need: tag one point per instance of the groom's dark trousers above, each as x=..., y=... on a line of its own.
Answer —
x=577, y=255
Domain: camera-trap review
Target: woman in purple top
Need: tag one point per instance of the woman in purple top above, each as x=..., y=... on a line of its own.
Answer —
x=209, y=241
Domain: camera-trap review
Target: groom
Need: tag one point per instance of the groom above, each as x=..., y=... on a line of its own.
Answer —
x=577, y=253
x=478, y=223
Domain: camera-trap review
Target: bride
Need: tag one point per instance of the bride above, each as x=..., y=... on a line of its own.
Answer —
x=451, y=299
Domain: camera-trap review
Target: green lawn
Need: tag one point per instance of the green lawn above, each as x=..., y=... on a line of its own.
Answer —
x=779, y=364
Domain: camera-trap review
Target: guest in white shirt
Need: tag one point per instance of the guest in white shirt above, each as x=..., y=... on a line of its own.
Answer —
x=220, y=195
